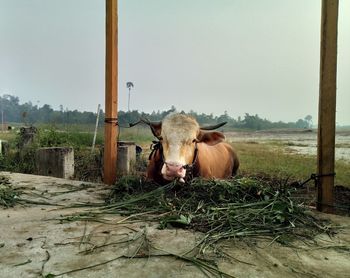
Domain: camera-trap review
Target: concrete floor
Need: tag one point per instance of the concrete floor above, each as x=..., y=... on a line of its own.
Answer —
x=35, y=243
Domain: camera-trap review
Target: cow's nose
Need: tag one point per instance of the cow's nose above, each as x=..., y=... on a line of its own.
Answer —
x=174, y=170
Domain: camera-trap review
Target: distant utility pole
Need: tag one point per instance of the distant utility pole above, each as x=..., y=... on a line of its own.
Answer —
x=129, y=85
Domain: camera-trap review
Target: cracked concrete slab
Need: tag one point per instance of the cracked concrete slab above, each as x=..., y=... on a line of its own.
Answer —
x=35, y=242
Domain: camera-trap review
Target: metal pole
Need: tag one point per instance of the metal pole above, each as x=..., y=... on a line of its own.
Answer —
x=2, y=116
x=96, y=126
x=2, y=120
x=327, y=106
x=129, y=85
x=111, y=99
x=129, y=100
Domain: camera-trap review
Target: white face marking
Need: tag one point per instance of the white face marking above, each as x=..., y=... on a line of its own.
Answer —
x=178, y=132
x=173, y=153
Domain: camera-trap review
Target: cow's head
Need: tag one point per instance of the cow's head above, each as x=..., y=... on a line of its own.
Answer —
x=179, y=135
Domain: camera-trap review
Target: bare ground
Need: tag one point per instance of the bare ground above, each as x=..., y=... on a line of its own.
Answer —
x=35, y=243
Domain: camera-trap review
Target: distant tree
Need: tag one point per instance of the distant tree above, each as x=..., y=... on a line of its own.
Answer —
x=301, y=123
x=13, y=112
x=308, y=119
x=224, y=117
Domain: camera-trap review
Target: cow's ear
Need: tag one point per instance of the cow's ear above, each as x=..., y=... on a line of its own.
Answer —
x=210, y=138
x=156, y=129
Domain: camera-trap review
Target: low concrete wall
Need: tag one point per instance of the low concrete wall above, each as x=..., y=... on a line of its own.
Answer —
x=56, y=162
x=126, y=157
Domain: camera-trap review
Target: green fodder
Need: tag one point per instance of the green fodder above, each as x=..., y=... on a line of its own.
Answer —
x=8, y=194
x=220, y=208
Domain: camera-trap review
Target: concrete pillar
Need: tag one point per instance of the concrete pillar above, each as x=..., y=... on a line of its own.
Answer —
x=56, y=162
x=4, y=147
x=126, y=157
x=27, y=135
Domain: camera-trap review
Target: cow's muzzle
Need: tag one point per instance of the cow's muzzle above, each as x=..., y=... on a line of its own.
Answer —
x=173, y=170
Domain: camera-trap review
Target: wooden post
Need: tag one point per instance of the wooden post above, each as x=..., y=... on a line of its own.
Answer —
x=111, y=99
x=327, y=106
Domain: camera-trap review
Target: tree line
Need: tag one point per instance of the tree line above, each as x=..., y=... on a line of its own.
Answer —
x=14, y=112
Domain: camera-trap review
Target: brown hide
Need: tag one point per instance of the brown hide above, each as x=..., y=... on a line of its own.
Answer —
x=216, y=159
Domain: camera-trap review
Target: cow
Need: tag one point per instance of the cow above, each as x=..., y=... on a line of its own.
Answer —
x=185, y=150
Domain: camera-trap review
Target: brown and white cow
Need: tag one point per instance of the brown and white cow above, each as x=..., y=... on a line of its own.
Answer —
x=186, y=150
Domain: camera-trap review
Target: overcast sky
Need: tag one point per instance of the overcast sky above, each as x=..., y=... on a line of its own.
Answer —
x=257, y=57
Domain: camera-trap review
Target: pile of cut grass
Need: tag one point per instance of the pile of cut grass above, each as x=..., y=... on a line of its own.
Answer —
x=8, y=195
x=221, y=209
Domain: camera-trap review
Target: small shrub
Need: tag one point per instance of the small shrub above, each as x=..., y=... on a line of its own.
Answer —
x=51, y=138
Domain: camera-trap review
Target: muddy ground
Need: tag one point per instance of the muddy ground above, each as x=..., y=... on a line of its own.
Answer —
x=36, y=242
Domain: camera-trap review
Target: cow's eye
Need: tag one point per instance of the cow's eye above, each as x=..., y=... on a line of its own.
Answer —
x=194, y=140
x=160, y=138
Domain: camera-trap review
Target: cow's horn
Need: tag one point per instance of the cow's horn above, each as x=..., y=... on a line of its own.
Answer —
x=145, y=121
x=211, y=127
x=155, y=127
x=148, y=122
x=135, y=123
